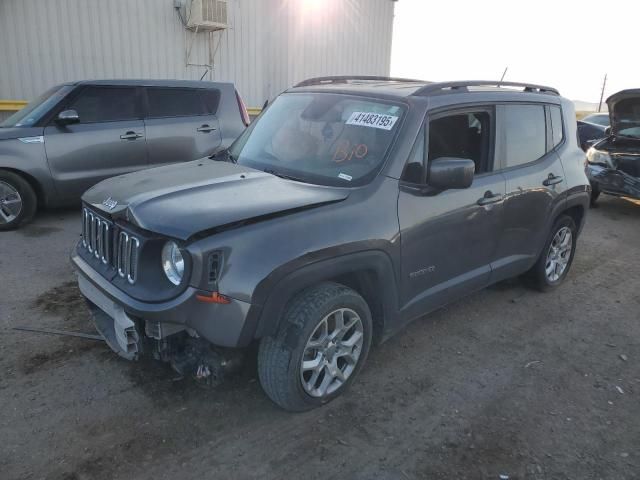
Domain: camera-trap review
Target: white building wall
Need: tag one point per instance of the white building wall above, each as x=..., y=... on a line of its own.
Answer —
x=271, y=43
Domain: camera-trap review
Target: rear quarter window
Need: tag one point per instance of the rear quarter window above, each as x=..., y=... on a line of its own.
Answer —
x=556, y=125
x=525, y=134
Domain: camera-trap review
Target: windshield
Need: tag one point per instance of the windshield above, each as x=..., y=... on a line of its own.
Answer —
x=30, y=114
x=320, y=138
x=627, y=117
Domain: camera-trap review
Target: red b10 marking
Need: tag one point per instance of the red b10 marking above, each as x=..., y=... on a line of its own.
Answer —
x=346, y=152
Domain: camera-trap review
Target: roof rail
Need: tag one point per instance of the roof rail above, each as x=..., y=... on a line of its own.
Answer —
x=439, y=86
x=347, y=78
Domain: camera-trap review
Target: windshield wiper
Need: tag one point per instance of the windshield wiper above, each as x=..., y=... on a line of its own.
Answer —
x=283, y=175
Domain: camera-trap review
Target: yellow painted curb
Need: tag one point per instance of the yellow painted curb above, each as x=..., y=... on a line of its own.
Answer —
x=15, y=105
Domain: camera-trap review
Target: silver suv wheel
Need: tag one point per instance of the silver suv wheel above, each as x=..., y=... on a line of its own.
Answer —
x=10, y=203
x=332, y=352
x=559, y=254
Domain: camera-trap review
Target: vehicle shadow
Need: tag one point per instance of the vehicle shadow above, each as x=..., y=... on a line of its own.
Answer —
x=613, y=206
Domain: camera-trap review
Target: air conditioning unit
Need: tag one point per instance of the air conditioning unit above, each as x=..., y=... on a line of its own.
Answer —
x=208, y=15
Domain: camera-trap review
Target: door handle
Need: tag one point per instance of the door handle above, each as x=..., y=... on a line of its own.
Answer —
x=552, y=180
x=489, y=198
x=130, y=136
x=205, y=129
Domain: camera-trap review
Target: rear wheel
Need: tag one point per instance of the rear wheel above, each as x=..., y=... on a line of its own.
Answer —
x=322, y=343
x=556, y=258
x=18, y=201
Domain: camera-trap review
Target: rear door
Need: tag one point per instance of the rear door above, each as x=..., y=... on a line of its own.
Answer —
x=181, y=124
x=535, y=182
x=108, y=141
x=450, y=239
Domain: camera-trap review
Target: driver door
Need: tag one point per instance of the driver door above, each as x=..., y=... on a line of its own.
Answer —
x=450, y=239
x=109, y=140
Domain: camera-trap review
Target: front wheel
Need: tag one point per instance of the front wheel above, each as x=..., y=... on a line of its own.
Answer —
x=18, y=201
x=556, y=258
x=321, y=345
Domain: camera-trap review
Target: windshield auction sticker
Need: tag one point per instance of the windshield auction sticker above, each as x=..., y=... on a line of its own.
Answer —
x=373, y=120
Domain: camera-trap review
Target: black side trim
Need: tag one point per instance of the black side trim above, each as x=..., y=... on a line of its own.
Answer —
x=277, y=289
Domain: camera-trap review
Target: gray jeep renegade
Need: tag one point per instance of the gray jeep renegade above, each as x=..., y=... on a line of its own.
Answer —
x=352, y=206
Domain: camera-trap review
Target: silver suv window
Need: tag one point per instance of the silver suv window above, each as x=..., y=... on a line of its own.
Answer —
x=32, y=113
x=181, y=102
x=105, y=104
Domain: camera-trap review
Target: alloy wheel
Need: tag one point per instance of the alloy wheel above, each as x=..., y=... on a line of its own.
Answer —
x=559, y=254
x=332, y=352
x=10, y=203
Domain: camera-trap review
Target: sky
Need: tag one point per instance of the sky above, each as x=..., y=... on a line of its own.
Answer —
x=566, y=44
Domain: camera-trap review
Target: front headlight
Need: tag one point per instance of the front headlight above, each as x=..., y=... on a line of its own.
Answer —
x=599, y=157
x=172, y=262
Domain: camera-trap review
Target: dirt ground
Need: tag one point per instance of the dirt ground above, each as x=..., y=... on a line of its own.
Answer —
x=506, y=382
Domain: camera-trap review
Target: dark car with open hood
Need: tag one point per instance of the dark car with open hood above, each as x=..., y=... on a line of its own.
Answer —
x=614, y=162
x=350, y=207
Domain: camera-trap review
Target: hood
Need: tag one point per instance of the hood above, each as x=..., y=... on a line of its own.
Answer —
x=624, y=107
x=9, y=133
x=183, y=199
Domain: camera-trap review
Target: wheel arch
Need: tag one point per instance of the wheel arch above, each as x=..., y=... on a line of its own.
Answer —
x=369, y=273
x=33, y=183
x=576, y=206
x=577, y=214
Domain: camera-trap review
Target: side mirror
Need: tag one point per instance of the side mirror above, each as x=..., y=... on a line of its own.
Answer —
x=67, y=117
x=447, y=173
x=607, y=131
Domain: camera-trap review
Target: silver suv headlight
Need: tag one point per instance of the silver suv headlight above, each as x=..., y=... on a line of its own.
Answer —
x=172, y=262
x=597, y=156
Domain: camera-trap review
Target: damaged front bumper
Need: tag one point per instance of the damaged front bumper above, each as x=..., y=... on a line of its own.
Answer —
x=613, y=181
x=183, y=332
x=123, y=320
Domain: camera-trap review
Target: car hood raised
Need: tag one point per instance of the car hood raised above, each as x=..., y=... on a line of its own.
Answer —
x=625, y=99
x=184, y=199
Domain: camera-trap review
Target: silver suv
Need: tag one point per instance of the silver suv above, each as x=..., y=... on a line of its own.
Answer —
x=77, y=134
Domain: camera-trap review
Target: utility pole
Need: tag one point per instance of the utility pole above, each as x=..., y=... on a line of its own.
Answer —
x=604, y=84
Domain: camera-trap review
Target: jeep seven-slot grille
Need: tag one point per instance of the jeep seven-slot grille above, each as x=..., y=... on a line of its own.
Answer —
x=110, y=245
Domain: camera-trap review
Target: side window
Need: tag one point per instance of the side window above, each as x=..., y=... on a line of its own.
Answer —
x=525, y=134
x=414, y=170
x=105, y=104
x=556, y=125
x=464, y=135
x=181, y=102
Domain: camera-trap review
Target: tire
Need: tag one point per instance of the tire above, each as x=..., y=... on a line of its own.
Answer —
x=539, y=275
x=280, y=358
x=18, y=201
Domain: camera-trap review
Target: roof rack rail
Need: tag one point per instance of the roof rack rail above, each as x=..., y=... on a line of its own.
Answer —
x=439, y=86
x=347, y=78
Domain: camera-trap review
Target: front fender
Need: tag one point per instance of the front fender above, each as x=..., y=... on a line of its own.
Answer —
x=276, y=290
x=30, y=161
